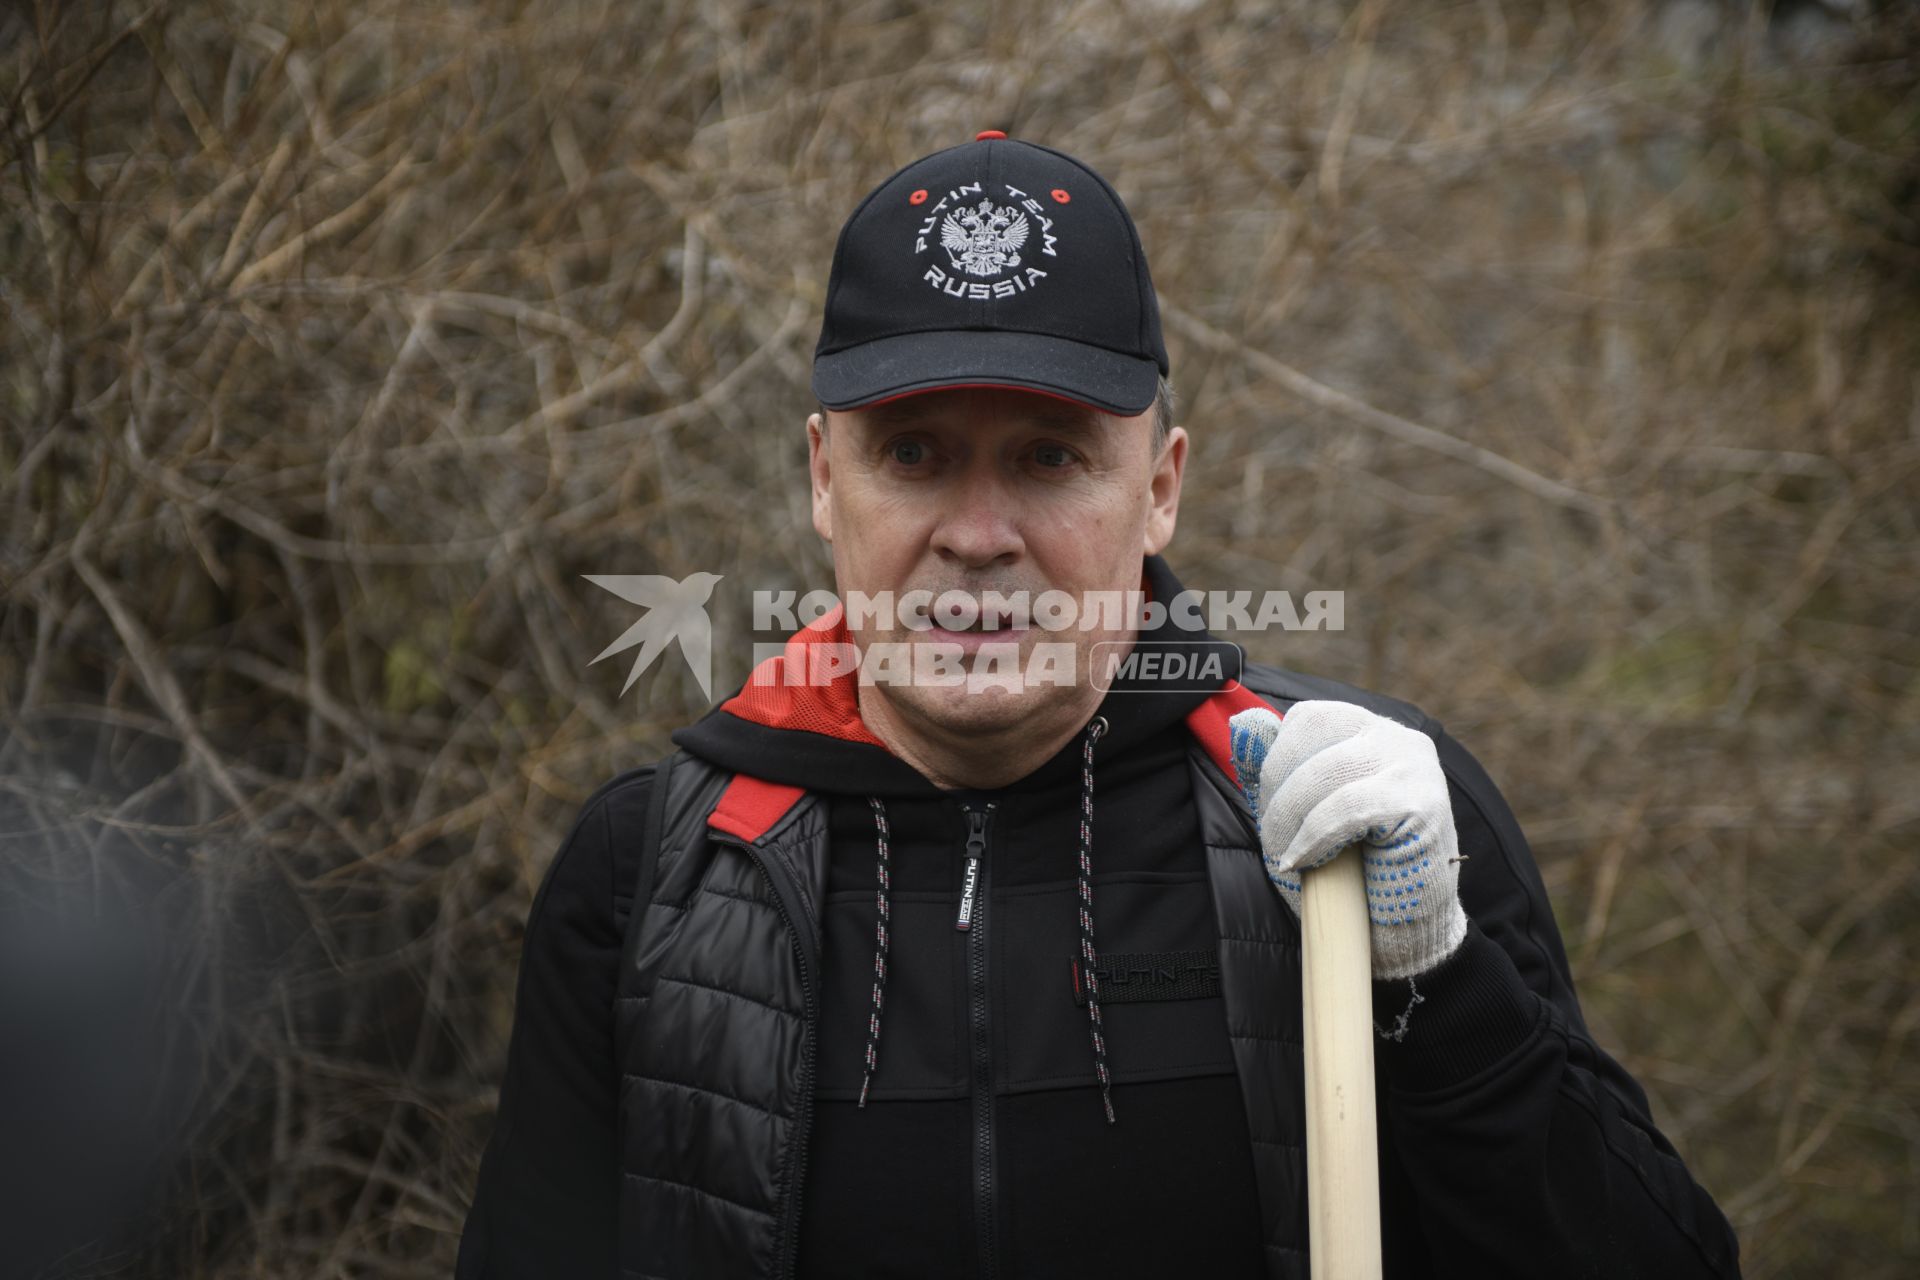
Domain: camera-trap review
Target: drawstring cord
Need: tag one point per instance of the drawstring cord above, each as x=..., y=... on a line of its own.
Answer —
x=879, y=947
x=1089, y=956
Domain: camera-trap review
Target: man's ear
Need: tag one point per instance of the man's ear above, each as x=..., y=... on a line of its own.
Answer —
x=1163, y=493
x=820, y=472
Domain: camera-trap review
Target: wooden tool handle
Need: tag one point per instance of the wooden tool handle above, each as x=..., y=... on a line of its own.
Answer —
x=1343, y=1169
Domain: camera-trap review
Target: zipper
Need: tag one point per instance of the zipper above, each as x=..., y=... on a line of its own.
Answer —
x=976, y=848
x=788, y=1250
x=973, y=920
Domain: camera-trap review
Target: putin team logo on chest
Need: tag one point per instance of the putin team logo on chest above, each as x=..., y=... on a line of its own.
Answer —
x=989, y=247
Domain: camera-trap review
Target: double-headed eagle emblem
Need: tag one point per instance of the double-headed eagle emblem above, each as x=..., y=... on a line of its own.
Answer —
x=984, y=240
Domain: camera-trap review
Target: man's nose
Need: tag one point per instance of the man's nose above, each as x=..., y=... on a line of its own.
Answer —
x=979, y=524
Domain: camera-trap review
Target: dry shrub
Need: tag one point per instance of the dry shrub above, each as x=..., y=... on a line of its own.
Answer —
x=1576, y=344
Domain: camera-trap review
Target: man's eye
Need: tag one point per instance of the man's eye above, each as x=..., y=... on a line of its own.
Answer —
x=1052, y=455
x=908, y=453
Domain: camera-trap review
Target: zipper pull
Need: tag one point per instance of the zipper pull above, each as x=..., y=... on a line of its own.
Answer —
x=976, y=847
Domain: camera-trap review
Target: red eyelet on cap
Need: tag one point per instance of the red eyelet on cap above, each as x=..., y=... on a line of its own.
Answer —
x=1060, y=196
x=918, y=197
x=984, y=134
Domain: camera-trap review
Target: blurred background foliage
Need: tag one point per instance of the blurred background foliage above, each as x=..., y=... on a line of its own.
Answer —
x=1576, y=343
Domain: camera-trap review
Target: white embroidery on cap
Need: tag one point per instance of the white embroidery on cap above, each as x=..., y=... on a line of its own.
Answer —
x=985, y=240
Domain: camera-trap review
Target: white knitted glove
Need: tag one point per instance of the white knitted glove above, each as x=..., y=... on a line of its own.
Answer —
x=1332, y=774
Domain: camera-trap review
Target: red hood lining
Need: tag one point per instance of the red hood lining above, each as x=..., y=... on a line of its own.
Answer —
x=832, y=709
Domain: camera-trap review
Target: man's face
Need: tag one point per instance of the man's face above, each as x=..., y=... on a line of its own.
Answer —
x=977, y=490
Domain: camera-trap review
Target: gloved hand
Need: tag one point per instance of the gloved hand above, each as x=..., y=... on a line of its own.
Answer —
x=1332, y=774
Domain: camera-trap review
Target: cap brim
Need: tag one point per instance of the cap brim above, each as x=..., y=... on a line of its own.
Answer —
x=906, y=363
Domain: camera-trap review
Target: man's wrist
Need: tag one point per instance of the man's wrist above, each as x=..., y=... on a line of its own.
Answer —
x=1456, y=1019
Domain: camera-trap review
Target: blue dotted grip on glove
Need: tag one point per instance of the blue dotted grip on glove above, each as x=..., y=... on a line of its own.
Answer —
x=1390, y=898
x=1249, y=734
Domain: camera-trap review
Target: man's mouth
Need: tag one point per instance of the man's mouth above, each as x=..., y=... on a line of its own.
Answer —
x=986, y=621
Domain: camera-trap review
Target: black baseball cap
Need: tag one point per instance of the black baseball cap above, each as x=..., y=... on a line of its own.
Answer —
x=996, y=263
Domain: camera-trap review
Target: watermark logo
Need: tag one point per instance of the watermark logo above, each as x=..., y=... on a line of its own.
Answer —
x=675, y=611
x=979, y=640
x=923, y=610
x=1165, y=666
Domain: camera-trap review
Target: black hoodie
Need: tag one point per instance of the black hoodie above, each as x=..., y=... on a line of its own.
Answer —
x=986, y=1019
x=984, y=1144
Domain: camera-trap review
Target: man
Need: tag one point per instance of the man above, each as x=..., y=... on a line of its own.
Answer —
x=872, y=979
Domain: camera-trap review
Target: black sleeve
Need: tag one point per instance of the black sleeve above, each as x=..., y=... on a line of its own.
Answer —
x=546, y=1201
x=1512, y=1145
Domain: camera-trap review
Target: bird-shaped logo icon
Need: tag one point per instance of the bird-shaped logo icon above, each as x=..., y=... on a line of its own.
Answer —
x=675, y=611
